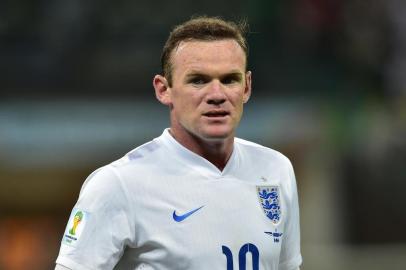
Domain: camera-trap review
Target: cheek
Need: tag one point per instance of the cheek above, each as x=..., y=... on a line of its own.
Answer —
x=184, y=107
x=238, y=105
x=237, y=99
x=186, y=102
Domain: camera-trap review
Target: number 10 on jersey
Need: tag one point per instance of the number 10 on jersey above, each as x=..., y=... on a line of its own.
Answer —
x=242, y=259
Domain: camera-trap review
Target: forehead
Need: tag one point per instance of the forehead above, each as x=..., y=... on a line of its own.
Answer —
x=198, y=55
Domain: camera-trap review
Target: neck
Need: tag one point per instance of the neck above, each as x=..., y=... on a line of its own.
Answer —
x=217, y=152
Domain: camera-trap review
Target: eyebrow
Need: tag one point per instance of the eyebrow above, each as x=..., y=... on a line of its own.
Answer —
x=235, y=74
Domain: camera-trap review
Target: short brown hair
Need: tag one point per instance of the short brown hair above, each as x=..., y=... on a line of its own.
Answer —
x=206, y=29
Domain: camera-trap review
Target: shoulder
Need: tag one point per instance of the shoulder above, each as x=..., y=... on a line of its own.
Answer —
x=101, y=185
x=141, y=155
x=109, y=176
x=260, y=152
x=113, y=176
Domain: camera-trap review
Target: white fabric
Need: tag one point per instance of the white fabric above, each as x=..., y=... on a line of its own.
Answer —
x=128, y=206
x=61, y=267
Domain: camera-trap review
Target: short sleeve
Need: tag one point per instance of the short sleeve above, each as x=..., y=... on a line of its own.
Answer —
x=98, y=228
x=290, y=257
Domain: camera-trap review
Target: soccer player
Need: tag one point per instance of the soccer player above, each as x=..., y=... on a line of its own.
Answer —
x=195, y=197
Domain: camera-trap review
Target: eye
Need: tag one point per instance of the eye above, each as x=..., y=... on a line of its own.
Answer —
x=231, y=79
x=197, y=80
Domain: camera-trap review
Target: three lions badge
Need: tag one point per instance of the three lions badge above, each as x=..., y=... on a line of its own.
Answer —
x=270, y=202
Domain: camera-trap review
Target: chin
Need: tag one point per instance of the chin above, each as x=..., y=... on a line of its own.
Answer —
x=216, y=134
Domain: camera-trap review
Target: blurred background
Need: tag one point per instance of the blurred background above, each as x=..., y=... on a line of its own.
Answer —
x=329, y=91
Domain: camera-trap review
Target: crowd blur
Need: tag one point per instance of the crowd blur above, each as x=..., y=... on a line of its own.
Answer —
x=329, y=91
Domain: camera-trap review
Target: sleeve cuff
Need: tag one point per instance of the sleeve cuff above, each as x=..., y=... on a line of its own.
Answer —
x=70, y=264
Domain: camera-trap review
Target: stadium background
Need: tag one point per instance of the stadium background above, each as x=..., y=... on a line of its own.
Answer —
x=329, y=91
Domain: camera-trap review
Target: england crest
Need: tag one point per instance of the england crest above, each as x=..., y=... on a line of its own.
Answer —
x=270, y=202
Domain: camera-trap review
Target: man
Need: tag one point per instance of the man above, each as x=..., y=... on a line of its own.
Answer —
x=196, y=197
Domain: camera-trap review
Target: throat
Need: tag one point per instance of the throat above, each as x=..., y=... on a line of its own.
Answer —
x=216, y=152
x=218, y=162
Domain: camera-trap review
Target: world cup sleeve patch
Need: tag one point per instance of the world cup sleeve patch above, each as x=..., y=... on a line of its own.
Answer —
x=76, y=225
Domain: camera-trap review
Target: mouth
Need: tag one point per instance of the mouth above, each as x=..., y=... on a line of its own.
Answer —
x=215, y=114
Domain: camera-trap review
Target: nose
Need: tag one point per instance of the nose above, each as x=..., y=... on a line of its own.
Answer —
x=215, y=95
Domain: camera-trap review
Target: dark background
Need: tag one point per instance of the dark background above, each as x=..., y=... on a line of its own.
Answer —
x=329, y=91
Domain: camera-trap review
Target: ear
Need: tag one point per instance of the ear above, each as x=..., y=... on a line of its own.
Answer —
x=247, y=90
x=162, y=89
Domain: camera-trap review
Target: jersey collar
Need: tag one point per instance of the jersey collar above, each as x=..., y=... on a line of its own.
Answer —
x=196, y=161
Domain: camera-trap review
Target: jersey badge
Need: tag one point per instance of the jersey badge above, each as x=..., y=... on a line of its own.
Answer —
x=270, y=202
x=76, y=224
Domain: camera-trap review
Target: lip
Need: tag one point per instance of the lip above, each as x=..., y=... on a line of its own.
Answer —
x=216, y=113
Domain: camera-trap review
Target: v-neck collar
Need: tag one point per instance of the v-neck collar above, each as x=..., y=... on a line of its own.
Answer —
x=196, y=161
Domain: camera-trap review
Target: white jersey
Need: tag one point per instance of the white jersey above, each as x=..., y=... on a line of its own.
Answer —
x=164, y=207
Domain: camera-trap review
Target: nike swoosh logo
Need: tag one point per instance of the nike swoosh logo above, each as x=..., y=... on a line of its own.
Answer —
x=179, y=218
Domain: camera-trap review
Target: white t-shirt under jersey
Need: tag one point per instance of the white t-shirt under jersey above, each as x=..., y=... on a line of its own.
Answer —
x=163, y=207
